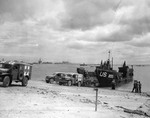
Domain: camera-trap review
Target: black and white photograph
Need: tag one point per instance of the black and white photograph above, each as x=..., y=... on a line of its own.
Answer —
x=74, y=58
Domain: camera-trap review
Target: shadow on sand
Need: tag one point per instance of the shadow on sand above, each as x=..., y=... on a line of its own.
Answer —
x=12, y=85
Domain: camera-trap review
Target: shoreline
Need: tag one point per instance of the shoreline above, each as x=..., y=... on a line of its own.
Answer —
x=40, y=99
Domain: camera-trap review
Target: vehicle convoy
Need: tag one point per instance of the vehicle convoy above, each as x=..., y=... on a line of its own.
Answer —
x=103, y=76
x=15, y=71
x=63, y=78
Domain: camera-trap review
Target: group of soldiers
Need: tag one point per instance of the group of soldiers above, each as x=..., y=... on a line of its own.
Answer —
x=136, y=86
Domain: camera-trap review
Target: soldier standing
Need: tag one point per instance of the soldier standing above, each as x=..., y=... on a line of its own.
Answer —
x=134, y=86
x=113, y=84
x=139, y=86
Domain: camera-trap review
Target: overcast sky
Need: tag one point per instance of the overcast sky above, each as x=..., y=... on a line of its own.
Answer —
x=81, y=31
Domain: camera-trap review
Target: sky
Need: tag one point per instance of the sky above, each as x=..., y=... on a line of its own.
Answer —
x=78, y=31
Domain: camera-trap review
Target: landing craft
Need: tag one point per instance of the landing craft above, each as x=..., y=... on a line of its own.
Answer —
x=104, y=74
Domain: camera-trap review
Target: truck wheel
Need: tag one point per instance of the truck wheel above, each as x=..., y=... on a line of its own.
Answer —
x=69, y=83
x=47, y=81
x=6, y=81
x=24, y=81
x=10, y=82
x=51, y=81
x=60, y=83
x=92, y=84
x=79, y=84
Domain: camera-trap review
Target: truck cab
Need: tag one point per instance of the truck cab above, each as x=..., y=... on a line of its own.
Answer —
x=15, y=71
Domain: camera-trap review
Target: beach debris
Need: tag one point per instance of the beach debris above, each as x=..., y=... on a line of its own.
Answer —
x=137, y=111
x=42, y=92
x=105, y=102
x=86, y=101
x=145, y=107
x=89, y=101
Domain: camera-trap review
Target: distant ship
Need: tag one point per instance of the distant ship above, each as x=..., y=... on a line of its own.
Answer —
x=83, y=64
x=40, y=61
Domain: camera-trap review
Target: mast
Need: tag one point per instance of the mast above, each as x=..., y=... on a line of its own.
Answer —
x=109, y=55
x=112, y=63
x=40, y=61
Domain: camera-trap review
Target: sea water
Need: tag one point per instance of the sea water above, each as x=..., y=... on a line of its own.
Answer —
x=141, y=73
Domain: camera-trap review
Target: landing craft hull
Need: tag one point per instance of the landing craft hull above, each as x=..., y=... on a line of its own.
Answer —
x=107, y=82
x=105, y=78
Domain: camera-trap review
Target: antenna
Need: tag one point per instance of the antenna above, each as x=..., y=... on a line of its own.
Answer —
x=117, y=6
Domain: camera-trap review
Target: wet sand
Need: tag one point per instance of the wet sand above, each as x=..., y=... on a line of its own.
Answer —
x=42, y=100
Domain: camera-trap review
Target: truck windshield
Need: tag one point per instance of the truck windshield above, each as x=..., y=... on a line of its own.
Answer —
x=2, y=65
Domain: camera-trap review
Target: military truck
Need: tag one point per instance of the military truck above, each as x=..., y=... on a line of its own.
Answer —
x=72, y=79
x=65, y=78
x=15, y=71
x=89, y=78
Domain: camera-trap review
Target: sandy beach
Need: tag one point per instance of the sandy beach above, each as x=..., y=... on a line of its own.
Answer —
x=42, y=100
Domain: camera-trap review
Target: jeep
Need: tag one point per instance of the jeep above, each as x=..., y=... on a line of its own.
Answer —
x=15, y=71
x=54, y=77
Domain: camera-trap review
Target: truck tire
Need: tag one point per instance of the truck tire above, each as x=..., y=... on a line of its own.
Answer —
x=51, y=80
x=69, y=83
x=47, y=81
x=6, y=81
x=10, y=82
x=92, y=84
x=60, y=83
x=79, y=84
x=24, y=81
